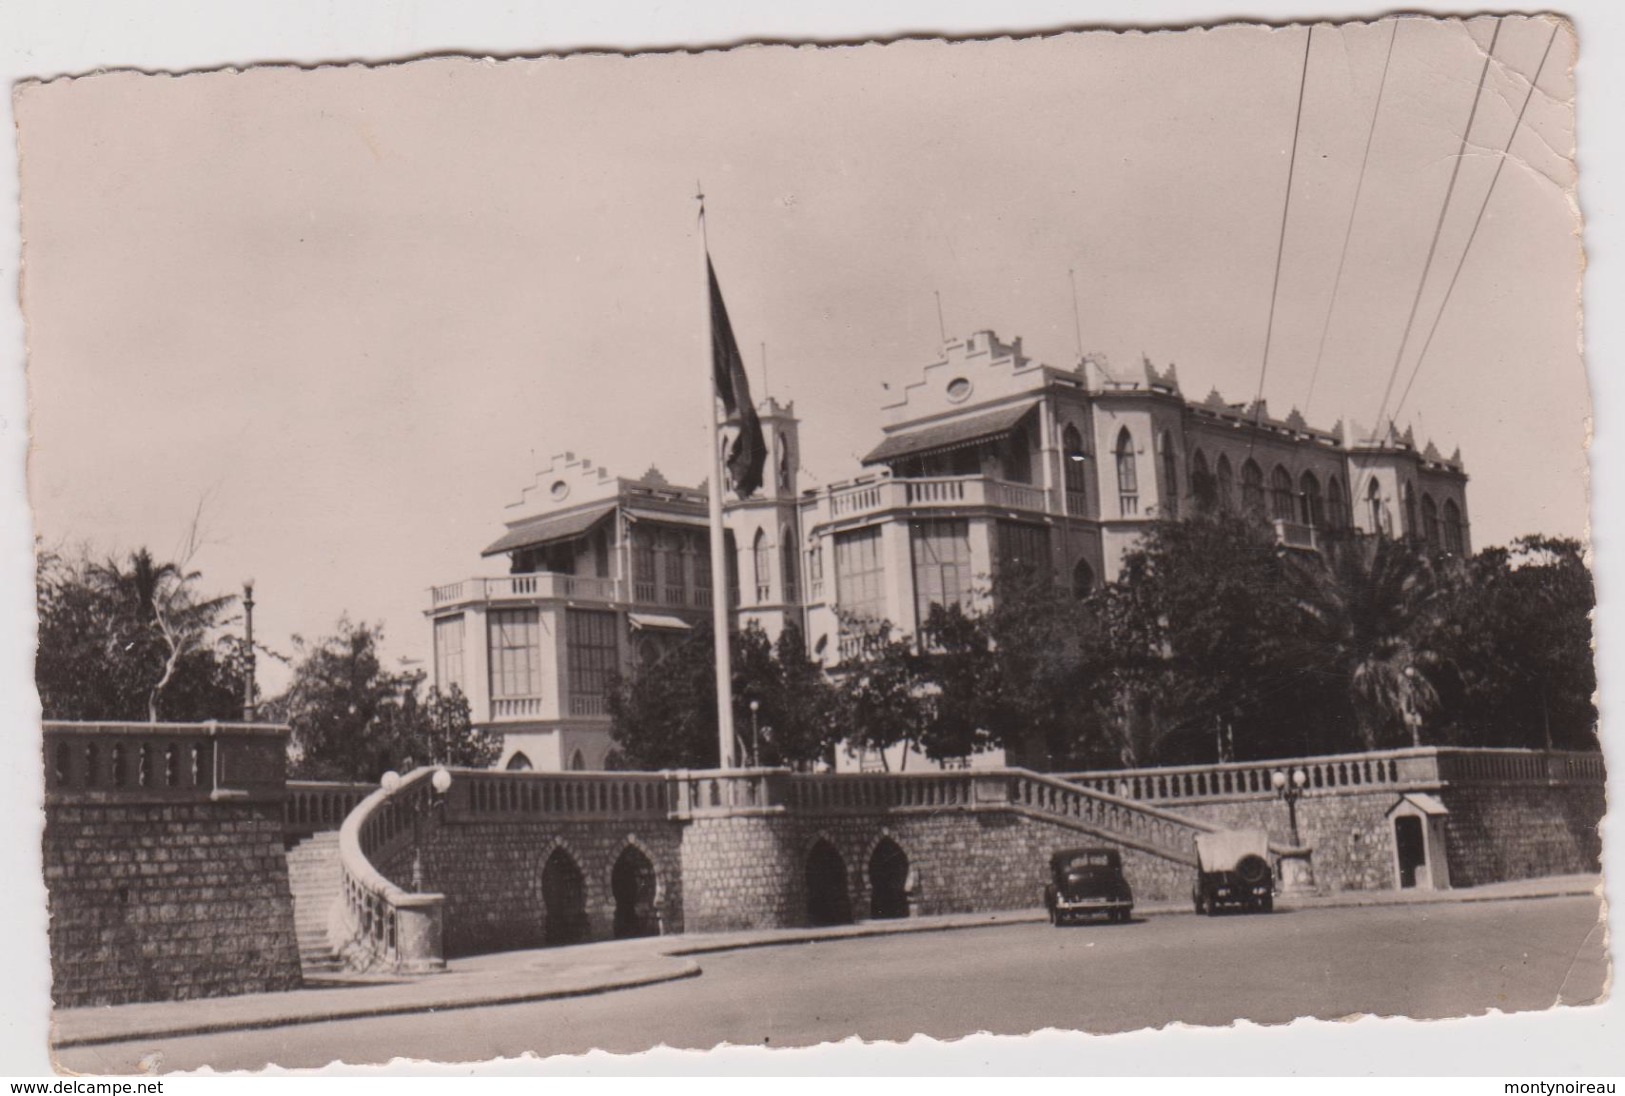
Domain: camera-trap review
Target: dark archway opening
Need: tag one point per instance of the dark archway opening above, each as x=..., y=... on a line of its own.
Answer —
x=632, y=882
x=888, y=881
x=1411, y=847
x=564, y=901
x=828, y=902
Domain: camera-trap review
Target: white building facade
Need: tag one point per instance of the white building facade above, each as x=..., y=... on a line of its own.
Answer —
x=990, y=460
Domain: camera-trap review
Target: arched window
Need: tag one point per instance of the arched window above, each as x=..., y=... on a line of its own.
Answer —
x=1202, y=485
x=519, y=763
x=1379, y=513
x=1281, y=501
x=1430, y=521
x=1170, y=477
x=578, y=762
x=1128, y=477
x=1083, y=579
x=782, y=443
x=763, y=556
x=1313, y=508
x=1337, y=504
x=1412, y=528
x=1252, y=490
x=787, y=562
x=1454, y=541
x=1073, y=458
x=1226, y=485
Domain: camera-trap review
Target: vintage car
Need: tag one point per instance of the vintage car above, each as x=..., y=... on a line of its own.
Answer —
x=1233, y=870
x=1087, y=881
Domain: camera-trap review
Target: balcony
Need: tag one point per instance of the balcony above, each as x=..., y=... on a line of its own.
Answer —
x=549, y=585
x=948, y=492
x=1294, y=535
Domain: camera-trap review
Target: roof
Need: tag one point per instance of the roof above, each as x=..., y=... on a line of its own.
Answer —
x=1421, y=802
x=951, y=435
x=547, y=529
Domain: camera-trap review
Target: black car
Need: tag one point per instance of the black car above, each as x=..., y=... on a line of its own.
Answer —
x=1233, y=870
x=1087, y=881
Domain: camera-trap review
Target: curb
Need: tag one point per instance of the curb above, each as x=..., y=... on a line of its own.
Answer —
x=684, y=969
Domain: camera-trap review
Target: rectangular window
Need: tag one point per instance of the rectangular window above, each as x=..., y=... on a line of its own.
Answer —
x=676, y=589
x=643, y=566
x=1024, y=550
x=860, y=574
x=941, y=555
x=448, y=653
x=592, y=656
x=516, y=653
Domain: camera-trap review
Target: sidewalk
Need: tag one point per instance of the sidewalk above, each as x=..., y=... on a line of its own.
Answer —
x=552, y=973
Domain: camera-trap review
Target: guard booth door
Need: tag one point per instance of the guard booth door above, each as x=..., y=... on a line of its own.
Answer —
x=1411, y=845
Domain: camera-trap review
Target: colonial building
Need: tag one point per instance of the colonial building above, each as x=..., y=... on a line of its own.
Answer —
x=990, y=460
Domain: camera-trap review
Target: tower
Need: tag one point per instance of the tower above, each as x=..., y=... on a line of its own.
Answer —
x=767, y=534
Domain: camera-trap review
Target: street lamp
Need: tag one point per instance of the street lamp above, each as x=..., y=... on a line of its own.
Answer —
x=439, y=785
x=755, y=735
x=1297, y=873
x=1413, y=718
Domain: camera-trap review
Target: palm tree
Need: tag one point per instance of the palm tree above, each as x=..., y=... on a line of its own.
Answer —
x=155, y=602
x=1370, y=606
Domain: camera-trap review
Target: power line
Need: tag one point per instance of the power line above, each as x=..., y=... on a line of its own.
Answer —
x=1280, y=244
x=1438, y=227
x=1482, y=206
x=1348, y=229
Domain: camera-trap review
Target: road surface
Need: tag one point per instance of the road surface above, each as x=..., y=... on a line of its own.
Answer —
x=1422, y=961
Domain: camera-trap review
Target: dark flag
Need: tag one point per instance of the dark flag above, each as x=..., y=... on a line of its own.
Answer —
x=747, y=456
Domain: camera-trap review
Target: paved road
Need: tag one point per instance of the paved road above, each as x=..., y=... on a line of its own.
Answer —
x=1420, y=961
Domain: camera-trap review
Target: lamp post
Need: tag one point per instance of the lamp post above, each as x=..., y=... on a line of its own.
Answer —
x=1297, y=874
x=250, y=710
x=755, y=735
x=1413, y=718
x=439, y=785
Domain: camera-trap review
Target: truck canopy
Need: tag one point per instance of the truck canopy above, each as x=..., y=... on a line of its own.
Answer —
x=1222, y=851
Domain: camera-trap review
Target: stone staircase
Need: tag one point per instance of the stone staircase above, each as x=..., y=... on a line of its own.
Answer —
x=313, y=874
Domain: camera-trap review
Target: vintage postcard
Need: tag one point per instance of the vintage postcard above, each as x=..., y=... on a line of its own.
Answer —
x=778, y=544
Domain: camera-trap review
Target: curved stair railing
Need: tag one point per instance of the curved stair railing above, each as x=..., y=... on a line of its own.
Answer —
x=378, y=925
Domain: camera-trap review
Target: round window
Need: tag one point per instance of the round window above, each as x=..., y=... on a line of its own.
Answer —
x=559, y=489
x=958, y=389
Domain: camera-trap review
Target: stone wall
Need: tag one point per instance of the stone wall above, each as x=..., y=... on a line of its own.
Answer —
x=491, y=875
x=1522, y=831
x=164, y=866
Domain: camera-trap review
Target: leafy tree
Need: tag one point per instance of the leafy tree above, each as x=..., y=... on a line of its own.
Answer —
x=132, y=640
x=884, y=690
x=353, y=719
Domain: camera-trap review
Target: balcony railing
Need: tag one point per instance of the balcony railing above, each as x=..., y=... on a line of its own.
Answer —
x=874, y=496
x=515, y=707
x=1296, y=535
x=546, y=585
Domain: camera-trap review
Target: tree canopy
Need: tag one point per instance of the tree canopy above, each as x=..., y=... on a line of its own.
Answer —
x=351, y=718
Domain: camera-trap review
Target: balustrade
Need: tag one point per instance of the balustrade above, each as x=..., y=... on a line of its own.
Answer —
x=314, y=806
x=871, y=496
x=164, y=762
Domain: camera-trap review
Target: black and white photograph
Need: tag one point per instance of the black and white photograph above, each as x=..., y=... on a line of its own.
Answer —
x=1082, y=530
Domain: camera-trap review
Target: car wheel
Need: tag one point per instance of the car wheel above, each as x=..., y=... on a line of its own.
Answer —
x=1212, y=908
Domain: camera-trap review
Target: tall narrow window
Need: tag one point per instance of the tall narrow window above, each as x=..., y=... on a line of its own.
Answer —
x=941, y=554
x=860, y=575
x=1312, y=510
x=1379, y=513
x=643, y=566
x=1226, y=485
x=762, y=554
x=676, y=591
x=1413, y=528
x=1073, y=456
x=1252, y=490
x=593, y=656
x=1337, y=504
x=784, y=463
x=1454, y=540
x=516, y=664
x=1430, y=521
x=787, y=565
x=1170, y=477
x=1203, y=488
x=448, y=652
x=1128, y=478
x=1281, y=501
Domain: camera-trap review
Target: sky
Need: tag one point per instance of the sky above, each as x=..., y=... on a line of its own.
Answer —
x=346, y=313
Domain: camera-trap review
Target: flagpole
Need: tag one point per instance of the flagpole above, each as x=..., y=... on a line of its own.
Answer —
x=719, y=564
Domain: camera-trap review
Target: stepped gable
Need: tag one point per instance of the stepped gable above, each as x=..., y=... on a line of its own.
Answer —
x=567, y=481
